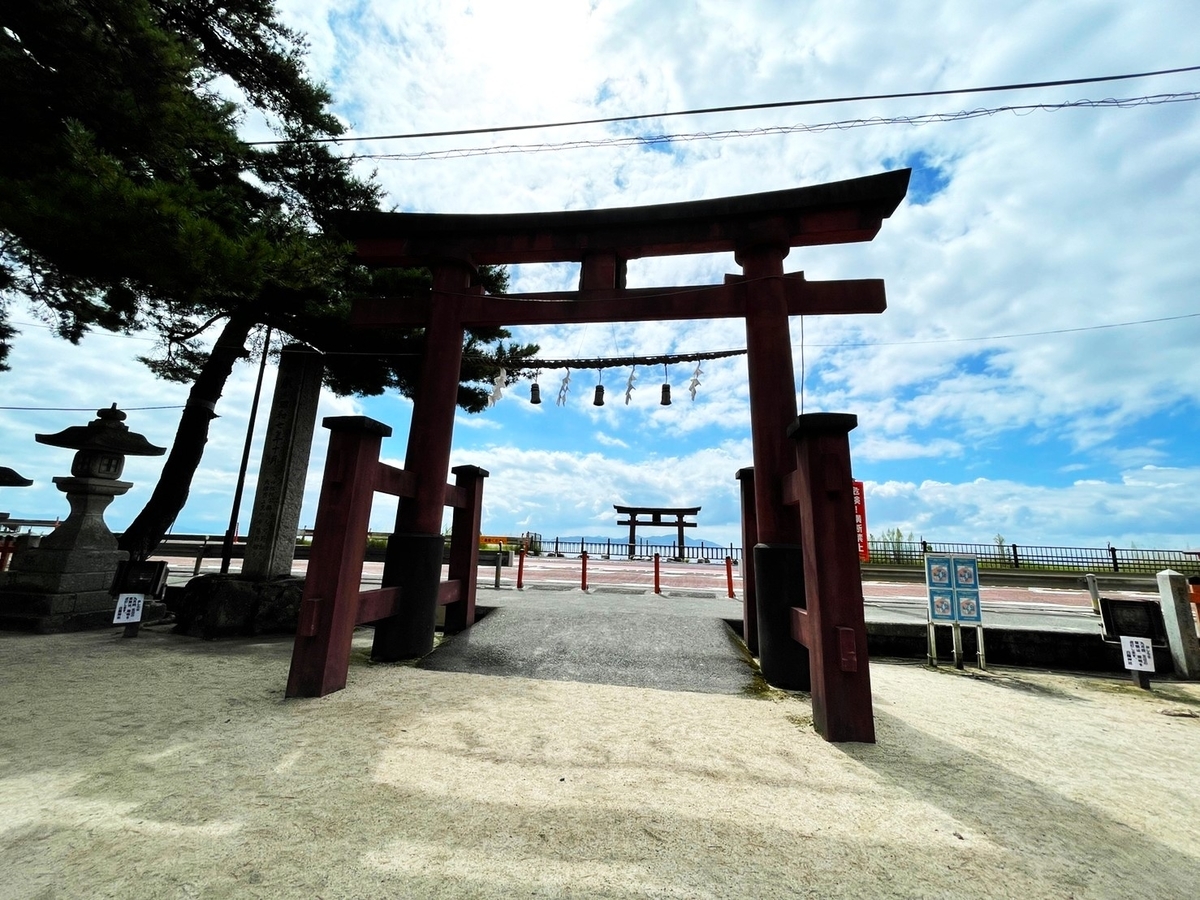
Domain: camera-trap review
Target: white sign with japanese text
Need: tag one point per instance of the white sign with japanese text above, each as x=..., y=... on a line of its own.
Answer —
x=129, y=609
x=1138, y=653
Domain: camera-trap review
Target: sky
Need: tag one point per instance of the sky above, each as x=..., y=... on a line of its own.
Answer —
x=1017, y=385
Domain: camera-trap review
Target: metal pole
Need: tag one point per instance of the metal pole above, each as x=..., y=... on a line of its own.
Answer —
x=729, y=574
x=521, y=570
x=227, y=546
x=584, y=577
x=657, y=584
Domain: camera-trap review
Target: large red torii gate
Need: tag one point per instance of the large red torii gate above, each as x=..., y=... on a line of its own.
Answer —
x=806, y=607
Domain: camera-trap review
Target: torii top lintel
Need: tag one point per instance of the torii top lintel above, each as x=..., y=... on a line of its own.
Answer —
x=833, y=213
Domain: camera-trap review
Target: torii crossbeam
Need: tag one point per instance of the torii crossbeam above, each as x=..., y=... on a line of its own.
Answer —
x=788, y=504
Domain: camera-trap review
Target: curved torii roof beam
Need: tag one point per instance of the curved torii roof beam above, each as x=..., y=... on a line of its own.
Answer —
x=836, y=213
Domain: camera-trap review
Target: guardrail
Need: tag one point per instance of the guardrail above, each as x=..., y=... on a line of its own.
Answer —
x=619, y=549
x=1132, y=561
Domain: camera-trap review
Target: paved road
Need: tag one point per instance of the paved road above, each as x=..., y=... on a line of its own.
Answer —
x=1020, y=607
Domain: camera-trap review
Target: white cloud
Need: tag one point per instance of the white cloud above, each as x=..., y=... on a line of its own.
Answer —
x=1149, y=506
x=608, y=441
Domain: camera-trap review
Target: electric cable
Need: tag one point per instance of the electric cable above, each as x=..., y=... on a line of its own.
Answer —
x=841, y=125
x=712, y=110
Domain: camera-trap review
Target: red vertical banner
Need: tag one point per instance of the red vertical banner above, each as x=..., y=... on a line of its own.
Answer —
x=860, y=522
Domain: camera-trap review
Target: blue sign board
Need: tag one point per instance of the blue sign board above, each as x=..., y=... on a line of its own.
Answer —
x=953, y=583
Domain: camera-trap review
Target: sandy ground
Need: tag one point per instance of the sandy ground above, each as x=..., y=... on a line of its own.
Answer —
x=169, y=767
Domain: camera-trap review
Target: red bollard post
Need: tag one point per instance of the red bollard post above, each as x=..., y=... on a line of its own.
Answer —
x=657, y=584
x=584, y=558
x=521, y=570
x=729, y=574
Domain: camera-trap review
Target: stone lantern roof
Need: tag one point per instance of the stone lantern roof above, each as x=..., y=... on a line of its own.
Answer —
x=108, y=434
x=12, y=478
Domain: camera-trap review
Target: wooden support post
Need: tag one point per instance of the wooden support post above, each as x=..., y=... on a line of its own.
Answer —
x=657, y=574
x=835, y=628
x=583, y=569
x=521, y=570
x=749, y=539
x=329, y=608
x=464, y=547
x=729, y=575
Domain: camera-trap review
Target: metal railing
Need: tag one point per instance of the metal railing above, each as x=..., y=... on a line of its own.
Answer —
x=1134, y=561
x=618, y=549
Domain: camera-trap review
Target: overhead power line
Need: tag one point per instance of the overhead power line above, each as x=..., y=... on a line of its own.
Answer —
x=1017, y=334
x=746, y=107
x=81, y=408
x=842, y=125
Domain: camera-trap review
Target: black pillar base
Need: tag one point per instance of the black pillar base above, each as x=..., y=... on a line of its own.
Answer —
x=778, y=586
x=414, y=564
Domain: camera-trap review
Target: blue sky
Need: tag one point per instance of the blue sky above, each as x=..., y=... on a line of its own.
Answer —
x=973, y=420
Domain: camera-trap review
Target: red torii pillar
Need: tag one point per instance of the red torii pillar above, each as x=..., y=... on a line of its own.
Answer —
x=414, y=554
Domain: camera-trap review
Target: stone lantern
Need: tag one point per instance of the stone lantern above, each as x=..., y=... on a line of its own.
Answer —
x=8, y=478
x=61, y=581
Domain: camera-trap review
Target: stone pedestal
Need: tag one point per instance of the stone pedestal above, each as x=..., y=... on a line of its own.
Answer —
x=61, y=581
x=1175, y=599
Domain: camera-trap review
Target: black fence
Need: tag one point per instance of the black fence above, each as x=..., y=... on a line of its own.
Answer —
x=1053, y=559
x=619, y=549
x=1134, y=561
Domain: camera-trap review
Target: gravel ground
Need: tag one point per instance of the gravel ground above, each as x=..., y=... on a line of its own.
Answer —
x=169, y=767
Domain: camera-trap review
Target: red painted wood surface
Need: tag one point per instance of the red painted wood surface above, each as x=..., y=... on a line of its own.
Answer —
x=772, y=392
x=717, y=301
x=832, y=627
x=397, y=482
x=376, y=605
x=430, y=435
x=450, y=592
x=431, y=431
x=464, y=546
x=332, y=603
x=834, y=213
x=320, y=660
x=749, y=539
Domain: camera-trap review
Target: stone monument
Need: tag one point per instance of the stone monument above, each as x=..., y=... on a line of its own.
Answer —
x=60, y=581
x=271, y=545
